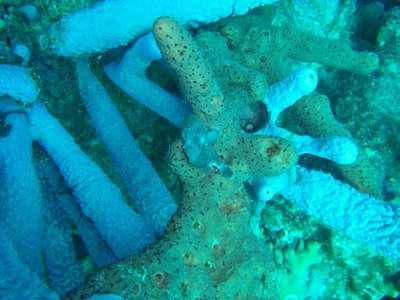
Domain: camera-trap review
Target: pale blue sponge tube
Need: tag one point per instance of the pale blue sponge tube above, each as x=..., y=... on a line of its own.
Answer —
x=20, y=198
x=152, y=199
x=16, y=280
x=96, y=246
x=124, y=231
x=111, y=23
x=16, y=82
x=129, y=74
x=360, y=216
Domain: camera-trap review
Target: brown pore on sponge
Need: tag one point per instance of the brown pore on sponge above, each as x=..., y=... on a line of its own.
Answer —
x=316, y=117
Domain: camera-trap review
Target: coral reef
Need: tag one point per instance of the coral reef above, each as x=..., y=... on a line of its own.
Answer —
x=213, y=199
x=315, y=115
x=231, y=237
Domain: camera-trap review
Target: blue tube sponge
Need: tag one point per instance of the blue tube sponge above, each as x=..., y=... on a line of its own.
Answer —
x=63, y=270
x=112, y=23
x=129, y=74
x=152, y=199
x=16, y=280
x=16, y=82
x=359, y=216
x=20, y=198
x=124, y=231
x=96, y=246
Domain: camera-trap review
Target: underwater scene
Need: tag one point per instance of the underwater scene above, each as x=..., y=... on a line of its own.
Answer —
x=189, y=149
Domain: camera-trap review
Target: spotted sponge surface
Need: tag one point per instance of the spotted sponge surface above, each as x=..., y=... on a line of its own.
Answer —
x=276, y=51
x=334, y=53
x=218, y=95
x=256, y=156
x=199, y=258
x=316, y=117
x=193, y=71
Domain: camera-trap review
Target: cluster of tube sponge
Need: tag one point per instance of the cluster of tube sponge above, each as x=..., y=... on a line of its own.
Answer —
x=34, y=208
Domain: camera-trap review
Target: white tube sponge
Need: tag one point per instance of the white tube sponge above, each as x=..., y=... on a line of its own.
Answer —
x=64, y=272
x=338, y=149
x=359, y=216
x=23, y=52
x=129, y=74
x=17, y=83
x=111, y=23
x=286, y=92
x=266, y=188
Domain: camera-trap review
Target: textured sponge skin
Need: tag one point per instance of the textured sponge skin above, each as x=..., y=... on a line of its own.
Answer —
x=100, y=200
x=360, y=216
x=16, y=82
x=112, y=23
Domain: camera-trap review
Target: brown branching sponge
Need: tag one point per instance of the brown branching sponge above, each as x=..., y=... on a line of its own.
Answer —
x=200, y=256
x=274, y=51
x=247, y=156
x=316, y=117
